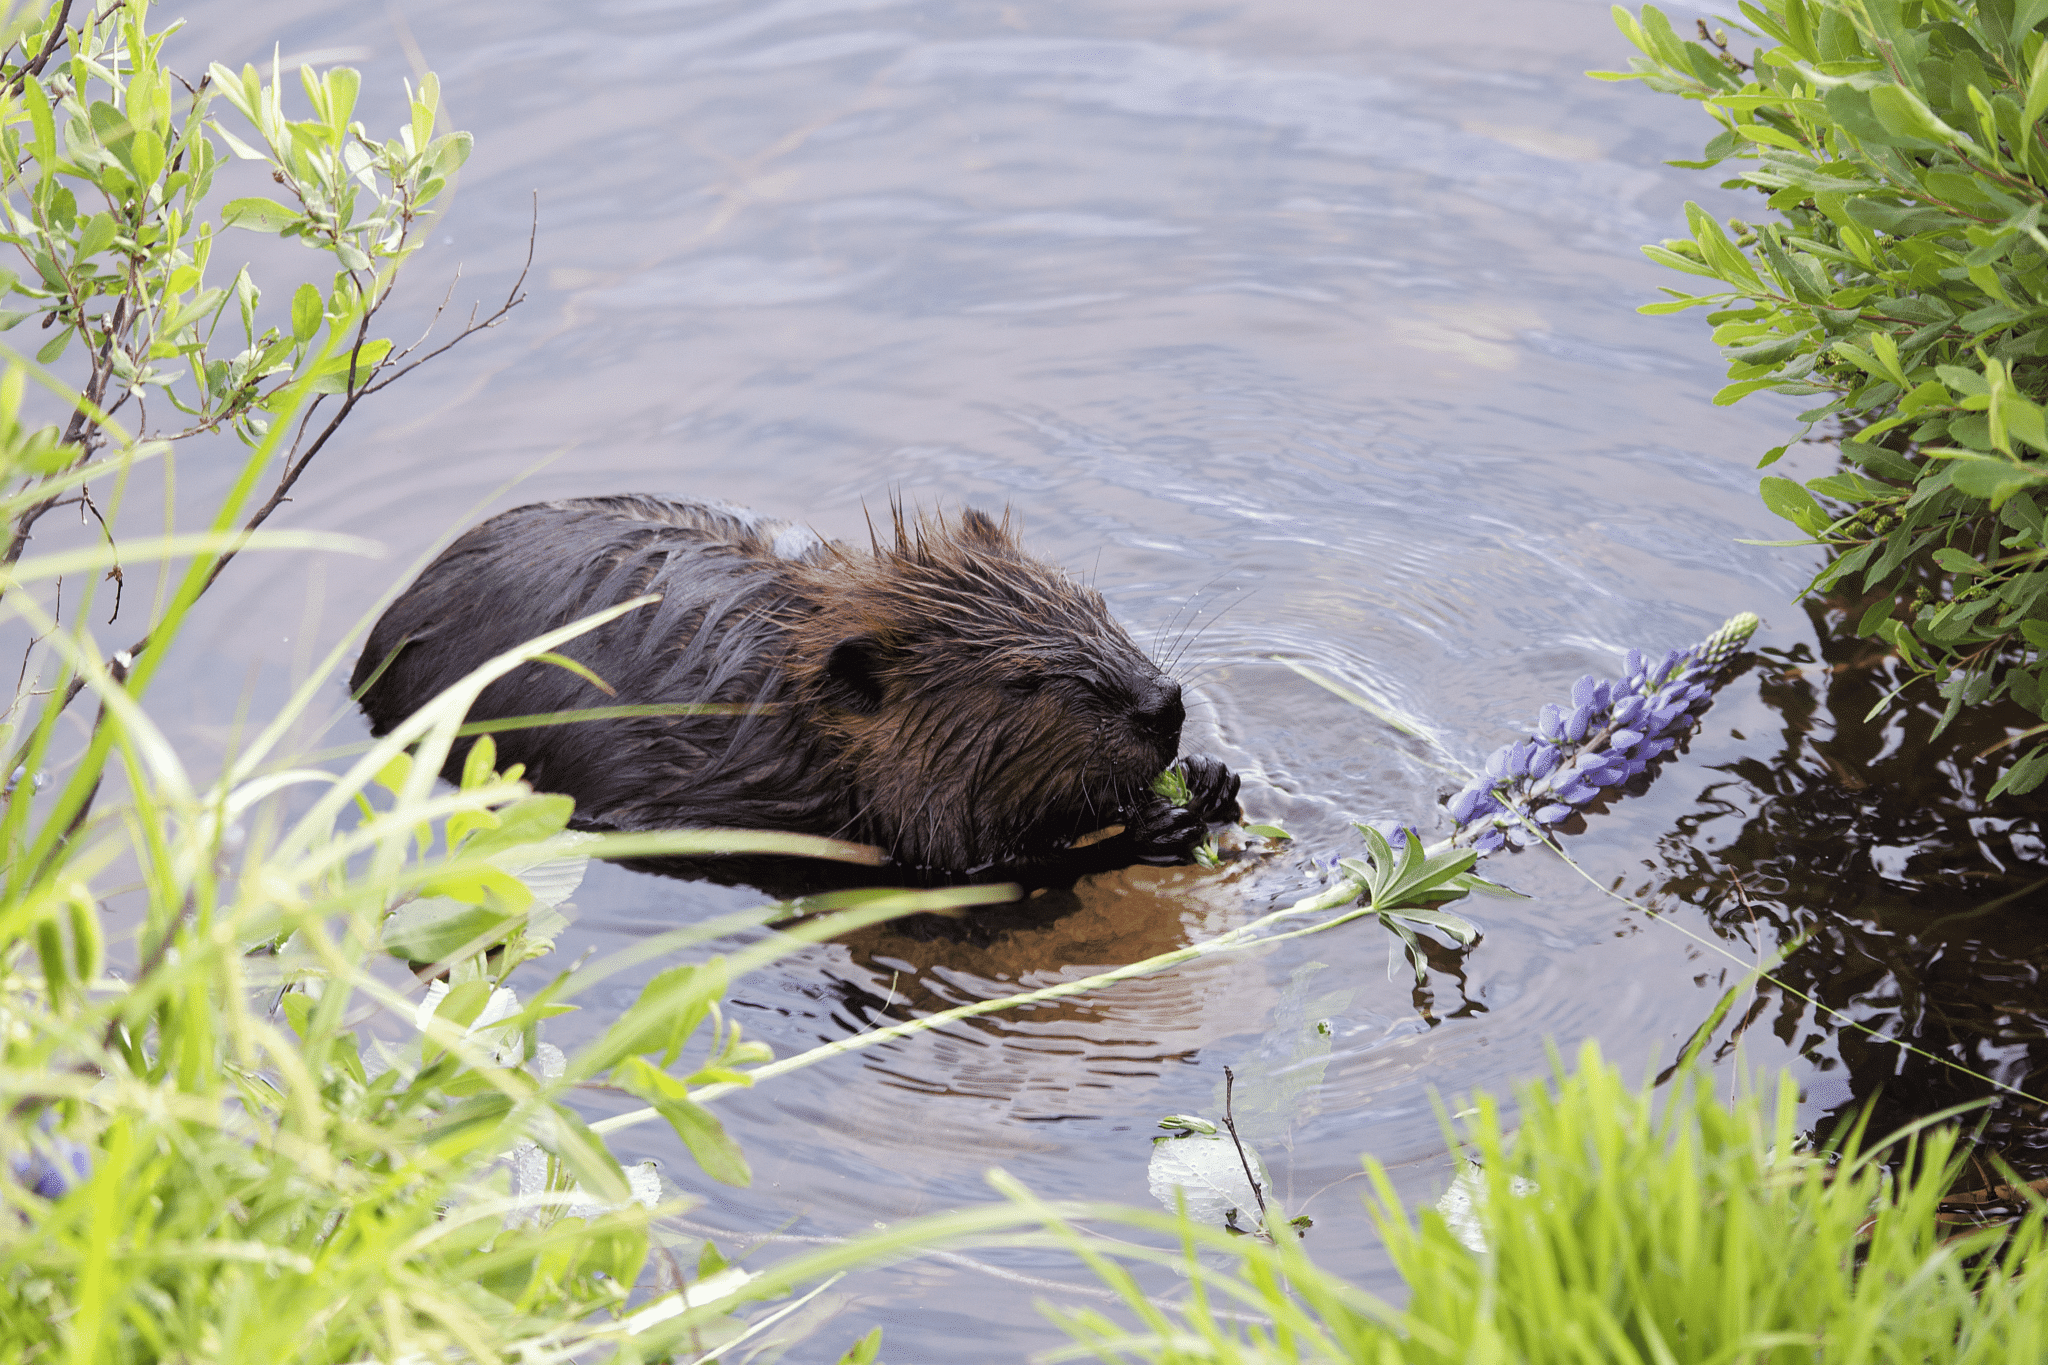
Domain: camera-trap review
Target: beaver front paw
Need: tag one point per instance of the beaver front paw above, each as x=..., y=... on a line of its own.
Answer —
x=1212, y=788
x=1163, y=834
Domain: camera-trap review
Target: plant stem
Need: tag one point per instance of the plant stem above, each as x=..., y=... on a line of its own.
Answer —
x=1244, y=936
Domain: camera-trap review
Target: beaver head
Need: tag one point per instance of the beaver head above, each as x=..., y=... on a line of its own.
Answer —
x=973, y=695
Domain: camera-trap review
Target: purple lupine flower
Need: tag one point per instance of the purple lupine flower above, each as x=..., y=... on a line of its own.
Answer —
x=54, y=1173
x=1614, y=730
x=1395, y=833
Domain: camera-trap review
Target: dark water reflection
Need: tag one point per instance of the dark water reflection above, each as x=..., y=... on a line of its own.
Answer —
x=1305, y=331
x=1920, y=902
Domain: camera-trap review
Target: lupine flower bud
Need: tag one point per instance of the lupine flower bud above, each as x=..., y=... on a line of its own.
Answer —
x=1614, y=730
x=1464, y=805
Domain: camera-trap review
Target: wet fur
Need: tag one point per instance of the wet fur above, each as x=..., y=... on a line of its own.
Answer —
x=942, y=695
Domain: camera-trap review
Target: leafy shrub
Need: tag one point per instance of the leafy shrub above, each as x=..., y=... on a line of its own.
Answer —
x=256, y=1135
x=1905, y=286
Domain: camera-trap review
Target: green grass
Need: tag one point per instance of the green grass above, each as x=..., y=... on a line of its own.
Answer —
x=1623, y=1225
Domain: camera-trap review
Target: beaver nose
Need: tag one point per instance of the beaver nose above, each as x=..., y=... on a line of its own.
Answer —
x=1158, y=709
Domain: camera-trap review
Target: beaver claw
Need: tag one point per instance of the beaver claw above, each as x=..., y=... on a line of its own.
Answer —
x=1164, y=834
x=1212, y=789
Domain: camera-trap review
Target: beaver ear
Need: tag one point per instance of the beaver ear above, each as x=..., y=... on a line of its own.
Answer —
x=853, y=674
x=977, y=528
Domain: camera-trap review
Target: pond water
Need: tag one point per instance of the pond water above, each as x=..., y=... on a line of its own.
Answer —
x=1306, y=331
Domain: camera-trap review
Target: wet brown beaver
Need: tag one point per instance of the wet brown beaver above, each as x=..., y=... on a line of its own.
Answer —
x=946, y=697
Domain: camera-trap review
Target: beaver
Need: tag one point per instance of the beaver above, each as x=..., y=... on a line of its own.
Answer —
x=945, y=697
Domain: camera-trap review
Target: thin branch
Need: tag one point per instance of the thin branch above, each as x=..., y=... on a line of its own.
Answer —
x=41, y=59
x=513, y=298
x=1230, y=1126
x=297, y=466
x=80, y=432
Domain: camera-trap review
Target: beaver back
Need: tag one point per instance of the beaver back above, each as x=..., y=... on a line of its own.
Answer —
x=945, y=696
x=715, y=637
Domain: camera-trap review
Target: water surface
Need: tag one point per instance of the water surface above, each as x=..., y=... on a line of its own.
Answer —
x=1306, y=332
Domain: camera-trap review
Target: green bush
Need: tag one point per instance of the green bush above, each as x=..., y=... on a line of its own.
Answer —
x=1904, y=285
x=255, y=1135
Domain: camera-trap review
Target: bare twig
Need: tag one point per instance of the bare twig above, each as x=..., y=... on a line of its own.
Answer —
x=1230, y=1126
x=1719, y=41
x=513, y=298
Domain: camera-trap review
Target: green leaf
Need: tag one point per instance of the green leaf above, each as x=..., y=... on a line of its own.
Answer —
x=1988, y=477
x=259, y=215
x=96, y=236
x=1794, y=504
x=307, y=310
x=526, y=821
x=2023, y=776
x=1666, y=256
x=247, y=297
x=1955, y=561
x=146, y=156
x=186, y=315
x=1679, y=304
x=447, y=153
x=560, y=1130
x=668, y=1011
x=1462, y=930
x=1905, y=115
x=2037, y=89
x=459, y=1008
x=480, y=764
x=481, y=885
x=1744, y=388
x=332, y=376
x=435, y=928
x=2023, y=419
x=699, y=1129
x=1721, y=253
x=342, y=83
x=580, y=670
x=468, y=1124
x=45, y=128
x=1851, y=488
x=1268, y=831
x=1878, y=612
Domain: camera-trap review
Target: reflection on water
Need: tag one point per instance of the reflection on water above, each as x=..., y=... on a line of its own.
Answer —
x=1921, y=903
x=1305, y=332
